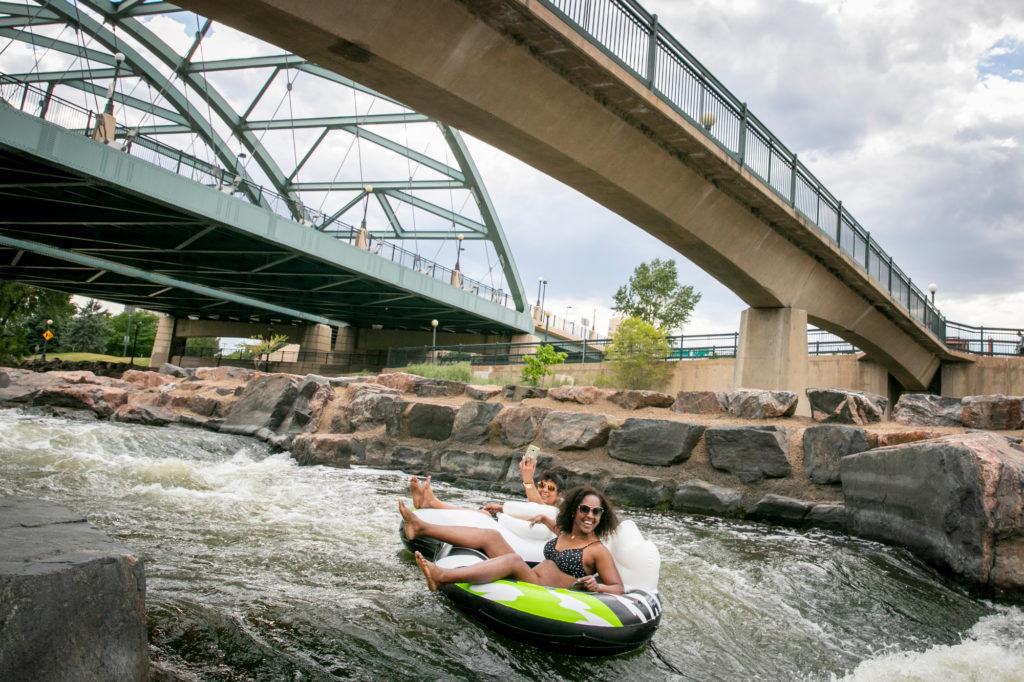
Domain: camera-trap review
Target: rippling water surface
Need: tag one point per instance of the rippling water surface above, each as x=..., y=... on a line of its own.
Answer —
x=261, y=569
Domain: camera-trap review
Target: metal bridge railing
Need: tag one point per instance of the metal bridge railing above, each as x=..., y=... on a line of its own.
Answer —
x=40, y=102
x=631, y=36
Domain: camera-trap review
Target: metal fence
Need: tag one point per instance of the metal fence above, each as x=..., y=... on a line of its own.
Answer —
x=631, y=36
x=327, y=363
x=43, y=103
x=983, y=340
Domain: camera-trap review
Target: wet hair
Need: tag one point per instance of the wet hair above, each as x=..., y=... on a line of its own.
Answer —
x=554, y=477
x=567, y=512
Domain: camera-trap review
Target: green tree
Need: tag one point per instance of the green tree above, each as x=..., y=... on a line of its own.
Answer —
x=536, y=366
x=261, y=348
x=202, y=346
x=655, y=295
x=637, y=354
x=24, y=310
x=87, y=331
x=143, y=332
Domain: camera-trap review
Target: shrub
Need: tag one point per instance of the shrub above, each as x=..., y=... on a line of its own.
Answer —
x=459, y=371
x=637, y=354
x=260, y=348
x=536, y=367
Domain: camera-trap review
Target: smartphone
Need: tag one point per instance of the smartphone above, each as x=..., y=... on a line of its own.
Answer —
x=531, y=452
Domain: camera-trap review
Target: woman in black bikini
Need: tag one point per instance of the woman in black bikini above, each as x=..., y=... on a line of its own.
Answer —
x=574, y=558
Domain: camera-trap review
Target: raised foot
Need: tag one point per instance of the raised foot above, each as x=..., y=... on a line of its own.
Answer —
x=411, y=522
x=416, y=492
x=428, y=570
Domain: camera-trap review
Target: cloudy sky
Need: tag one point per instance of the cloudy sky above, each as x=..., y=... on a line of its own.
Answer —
x=912, y=113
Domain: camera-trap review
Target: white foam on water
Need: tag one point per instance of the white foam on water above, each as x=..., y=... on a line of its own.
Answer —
x=991, y=651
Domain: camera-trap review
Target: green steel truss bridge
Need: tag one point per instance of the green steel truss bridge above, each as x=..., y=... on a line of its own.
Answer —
x=259, y=188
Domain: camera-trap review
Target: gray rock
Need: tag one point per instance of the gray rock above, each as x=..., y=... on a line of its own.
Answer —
x=439, y=388
x=638, y=491
x=482, y=392
x=702, y=497
x=656, y=442
x=518, y=426
x=434, y=422
x=954, y=501
x=999, y=412
x=264, y=404
x=371, y=407
x=778, y=508
x=926, y=409
x=315, y=392
x=5, y=380
x=73, y=601
x=575, y=430
x=755, y=403
x=473, y=421
x=174, y=371
x=148, y=415
x=409, y=459
x=749, y=452
x=825, y=445
x=840, y=406
x=476, y=465
x=327, y=449
x=634, y=400
x=400, y=381
x=515, y=392
x=827, y=515
x=584, y=395
x=701, y=402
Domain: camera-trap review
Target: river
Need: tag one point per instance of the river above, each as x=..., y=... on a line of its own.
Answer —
x=260, y=569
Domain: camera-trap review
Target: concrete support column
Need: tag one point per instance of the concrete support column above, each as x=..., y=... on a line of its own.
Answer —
x=316, y=338
x=346, y=341
x=162, y=343
x=772, y=352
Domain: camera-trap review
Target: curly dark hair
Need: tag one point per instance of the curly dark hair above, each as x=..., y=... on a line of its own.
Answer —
x=555, y=477
x=567, y=512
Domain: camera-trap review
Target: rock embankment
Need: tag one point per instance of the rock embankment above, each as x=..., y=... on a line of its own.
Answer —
x=72, y=602
x=739, y=454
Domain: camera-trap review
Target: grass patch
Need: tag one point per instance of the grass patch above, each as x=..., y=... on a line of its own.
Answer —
x=459, y=371
x=94, y=357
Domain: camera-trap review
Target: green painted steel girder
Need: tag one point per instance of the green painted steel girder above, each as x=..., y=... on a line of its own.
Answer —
x=429, y=207
x=337, y=121
x=376, y=185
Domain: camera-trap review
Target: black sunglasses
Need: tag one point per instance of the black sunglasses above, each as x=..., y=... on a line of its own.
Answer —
x=585, y=509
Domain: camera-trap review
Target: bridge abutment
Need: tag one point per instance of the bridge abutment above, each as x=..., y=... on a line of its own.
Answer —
x=772, y=352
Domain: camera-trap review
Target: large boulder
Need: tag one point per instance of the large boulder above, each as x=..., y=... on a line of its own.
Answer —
x=701, y=402
x=328, y=449
x=434, y=422
x=656, y=442
x=840, y=406
x=827, y=515
x=400, y=381
x=749, y=452
x=518, y=426
x=882, y=439
x=371, y=406
x=406, y=458
x=101, y=400
x=517, y=392
x=927, y=409
x=174, y=371
x=575, y=430
x=473, y=421
x=825, y=445
x=638, y=491
x=956, y=501
x=72, y=601
x=999, y=412
x=225, y=373
x=148, y=415
x=780, y=509
x=634, y=400
x=484, y=392
x=143, y=379
x=757, y=403
x=478, y=465
x=704, y=498
x=584, y=395
x=315, y=392
x=264, y=404
x=439, y=388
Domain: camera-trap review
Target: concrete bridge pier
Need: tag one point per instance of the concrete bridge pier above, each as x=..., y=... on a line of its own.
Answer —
x=172, y=333
x=772, y=352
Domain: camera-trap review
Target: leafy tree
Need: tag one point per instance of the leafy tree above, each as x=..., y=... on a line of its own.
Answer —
x=637, y=353
x=655, y=295
x=202, y=346
x=261, y=348
x=536, y=366
x=143, y=332
x=87, y=331
x=24, y=310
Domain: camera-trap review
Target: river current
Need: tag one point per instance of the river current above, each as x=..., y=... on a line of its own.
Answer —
x=260, y=569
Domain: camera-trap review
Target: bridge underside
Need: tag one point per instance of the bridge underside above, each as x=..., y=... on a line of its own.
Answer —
x=86, y=219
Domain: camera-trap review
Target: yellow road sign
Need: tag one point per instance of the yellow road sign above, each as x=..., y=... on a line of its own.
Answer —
x=48, y=335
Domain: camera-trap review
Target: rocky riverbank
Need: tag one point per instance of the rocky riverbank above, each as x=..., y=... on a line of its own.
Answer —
x=921, y=481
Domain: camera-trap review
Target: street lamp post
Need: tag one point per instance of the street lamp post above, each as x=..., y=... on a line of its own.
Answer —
x=932, y=288
x=433, y=342
x=457, y=272
x=541, y=315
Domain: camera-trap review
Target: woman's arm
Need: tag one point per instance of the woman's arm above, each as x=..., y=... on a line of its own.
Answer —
x=527, y=467
x=604, y=567
x=546, y=520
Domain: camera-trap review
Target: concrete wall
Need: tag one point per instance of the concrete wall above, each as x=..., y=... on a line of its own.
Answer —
x=984, y=376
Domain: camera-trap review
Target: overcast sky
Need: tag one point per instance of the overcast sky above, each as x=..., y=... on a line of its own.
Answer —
x=912, y=113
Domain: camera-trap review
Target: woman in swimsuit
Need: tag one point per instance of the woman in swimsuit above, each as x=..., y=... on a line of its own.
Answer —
x=575, y=557
x=546, y=490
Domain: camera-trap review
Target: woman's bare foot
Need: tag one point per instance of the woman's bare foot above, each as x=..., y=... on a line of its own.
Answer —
x=412, y=523
x=416, y=492
x=429, y=498
x=430, y=572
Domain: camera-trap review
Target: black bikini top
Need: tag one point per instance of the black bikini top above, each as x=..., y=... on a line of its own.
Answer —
x=569, y=561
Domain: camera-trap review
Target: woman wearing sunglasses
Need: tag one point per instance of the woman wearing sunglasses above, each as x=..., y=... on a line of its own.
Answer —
x=546, y=490
x=574, y=558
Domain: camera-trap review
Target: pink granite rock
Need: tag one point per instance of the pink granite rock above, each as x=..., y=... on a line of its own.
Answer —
x=993, y=412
